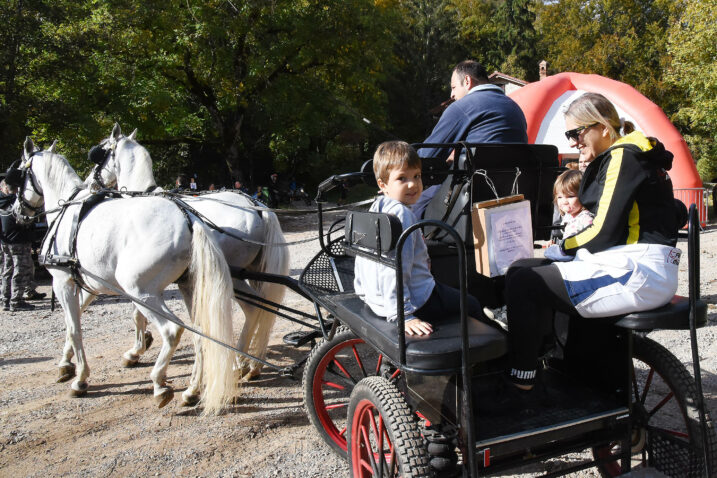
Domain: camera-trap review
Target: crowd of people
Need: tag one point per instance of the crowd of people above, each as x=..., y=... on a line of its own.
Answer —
x=273, y=193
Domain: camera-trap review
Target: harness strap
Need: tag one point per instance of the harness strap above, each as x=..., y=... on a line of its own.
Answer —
x=185, y=208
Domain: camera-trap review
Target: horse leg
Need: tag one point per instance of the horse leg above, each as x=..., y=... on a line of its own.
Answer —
x=171, y=333
x=254, y=336
x=142, y=340
x=66, y=367
x=66, y=293
x=190, y=396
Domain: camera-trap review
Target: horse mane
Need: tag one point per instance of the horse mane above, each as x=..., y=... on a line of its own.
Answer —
x=140, y=162
x=60, y=172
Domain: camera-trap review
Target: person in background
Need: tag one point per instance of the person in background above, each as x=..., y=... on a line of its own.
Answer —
x=625, y=262
x=181, y=184
x=584, y=159
x=238, y=184
x=17, y=266
x=192, y=184
x=481, y=113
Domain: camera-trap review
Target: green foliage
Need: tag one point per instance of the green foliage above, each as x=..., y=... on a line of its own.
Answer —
x=621, y=39
x=226, y=88
x=693, y=47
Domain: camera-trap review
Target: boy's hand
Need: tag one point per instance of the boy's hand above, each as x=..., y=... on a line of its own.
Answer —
x=418, y=327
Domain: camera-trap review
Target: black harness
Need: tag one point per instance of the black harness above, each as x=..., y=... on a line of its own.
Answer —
x=99, y=156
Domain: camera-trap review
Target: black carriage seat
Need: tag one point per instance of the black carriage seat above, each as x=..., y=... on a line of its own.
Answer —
x=673, y=316
x=366, y=234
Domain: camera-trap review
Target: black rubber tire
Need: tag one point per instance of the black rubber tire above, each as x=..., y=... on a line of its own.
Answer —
x=325, y=403
x=665, y=378
x=383, y=434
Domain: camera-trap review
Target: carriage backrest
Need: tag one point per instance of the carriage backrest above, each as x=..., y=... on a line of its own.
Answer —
x=371, y=232
x=537, y=165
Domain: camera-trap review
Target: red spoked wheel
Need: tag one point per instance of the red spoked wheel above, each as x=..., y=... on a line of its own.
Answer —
x=384, y=438
x=332, y=370
x=666, y=434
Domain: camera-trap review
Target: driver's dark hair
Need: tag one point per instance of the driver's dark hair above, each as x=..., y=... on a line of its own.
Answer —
x=473, y=69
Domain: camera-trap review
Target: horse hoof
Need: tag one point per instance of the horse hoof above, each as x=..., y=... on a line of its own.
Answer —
x=250, y=376
x=164, y=398
x=148, y=339
x=66, y=372
x=190, y=400
x=129, y=362
x=81, y=390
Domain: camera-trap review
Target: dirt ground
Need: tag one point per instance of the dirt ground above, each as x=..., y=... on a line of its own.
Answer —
x=116, y=430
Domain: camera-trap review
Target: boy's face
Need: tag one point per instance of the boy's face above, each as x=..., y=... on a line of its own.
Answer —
x=404, y=185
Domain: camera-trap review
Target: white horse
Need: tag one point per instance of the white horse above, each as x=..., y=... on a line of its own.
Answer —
x=128, y=167
x=137, y=246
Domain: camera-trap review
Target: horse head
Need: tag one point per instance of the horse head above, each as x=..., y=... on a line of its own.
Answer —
x=21, y=177
x=122, y=163
x=104, y=173
x=42, y=179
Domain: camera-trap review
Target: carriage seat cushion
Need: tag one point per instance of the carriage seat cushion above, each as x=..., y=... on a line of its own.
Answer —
x=673, y=316
x=439, y=352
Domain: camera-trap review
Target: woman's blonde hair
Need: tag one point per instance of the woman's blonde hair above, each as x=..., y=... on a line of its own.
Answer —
x=569, y=181
x=591, y=108
x=391, y=155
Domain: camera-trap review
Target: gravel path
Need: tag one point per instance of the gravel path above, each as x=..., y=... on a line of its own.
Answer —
x=116, y=430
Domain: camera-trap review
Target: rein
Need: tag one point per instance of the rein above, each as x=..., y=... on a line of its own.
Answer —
x=171, y=318
x=176, y=198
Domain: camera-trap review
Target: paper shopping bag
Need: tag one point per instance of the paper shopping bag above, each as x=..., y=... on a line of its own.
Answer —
x=502, y=233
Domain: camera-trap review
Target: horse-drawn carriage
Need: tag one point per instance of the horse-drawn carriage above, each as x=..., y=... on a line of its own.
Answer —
x=398, y=406
x=411, y=406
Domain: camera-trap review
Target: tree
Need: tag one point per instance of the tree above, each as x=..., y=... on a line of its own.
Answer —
x=20, y=39
x=693, y=70
x=517, y=39
x=621, y=39
x=428, y=46
x=244, y=81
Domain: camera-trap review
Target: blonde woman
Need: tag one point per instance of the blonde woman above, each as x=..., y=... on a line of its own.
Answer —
x=625, y=262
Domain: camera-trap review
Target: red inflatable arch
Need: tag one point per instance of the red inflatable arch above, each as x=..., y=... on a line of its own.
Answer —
x=543, y=103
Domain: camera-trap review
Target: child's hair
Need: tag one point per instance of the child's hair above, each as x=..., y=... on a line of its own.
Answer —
x=391, y=155
x=568, y=181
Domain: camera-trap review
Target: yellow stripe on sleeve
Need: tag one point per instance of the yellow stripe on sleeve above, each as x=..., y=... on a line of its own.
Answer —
x=608, y=191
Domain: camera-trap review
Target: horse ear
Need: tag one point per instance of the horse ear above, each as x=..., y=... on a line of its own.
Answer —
x=29, y=147
x=116, y=131
x=134, y=133
x=51, y=149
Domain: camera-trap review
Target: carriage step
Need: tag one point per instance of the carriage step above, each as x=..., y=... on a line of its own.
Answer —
x=299, y=338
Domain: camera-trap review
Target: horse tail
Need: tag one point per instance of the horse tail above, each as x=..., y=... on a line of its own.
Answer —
x=212, y=312
x=273, y=259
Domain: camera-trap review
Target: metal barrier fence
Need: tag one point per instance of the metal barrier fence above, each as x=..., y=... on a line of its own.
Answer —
x=698, y=196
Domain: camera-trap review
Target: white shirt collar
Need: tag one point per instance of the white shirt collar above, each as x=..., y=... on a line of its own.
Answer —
x=486, y=86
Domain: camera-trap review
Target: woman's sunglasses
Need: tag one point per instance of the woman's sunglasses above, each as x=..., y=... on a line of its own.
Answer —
x=575, y=133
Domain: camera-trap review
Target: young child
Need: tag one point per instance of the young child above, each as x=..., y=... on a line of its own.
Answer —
x=565, y=195
x=397, y=168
